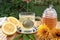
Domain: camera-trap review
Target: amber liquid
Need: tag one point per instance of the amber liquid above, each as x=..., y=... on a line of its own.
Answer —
x=50, y=22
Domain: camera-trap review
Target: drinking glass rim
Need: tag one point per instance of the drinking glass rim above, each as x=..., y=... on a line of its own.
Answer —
x=27, y=13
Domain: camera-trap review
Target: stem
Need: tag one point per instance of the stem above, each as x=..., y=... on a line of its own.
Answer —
x=27, y=7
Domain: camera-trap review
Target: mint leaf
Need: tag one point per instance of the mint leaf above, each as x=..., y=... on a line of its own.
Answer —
x=31, y=36
x=18, y=37
x=25, y=37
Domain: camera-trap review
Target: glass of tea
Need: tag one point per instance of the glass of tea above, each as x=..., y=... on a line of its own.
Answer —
x=27, y=19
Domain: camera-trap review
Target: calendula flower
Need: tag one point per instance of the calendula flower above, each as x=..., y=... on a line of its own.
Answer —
x=55, y=32
x=43, y=30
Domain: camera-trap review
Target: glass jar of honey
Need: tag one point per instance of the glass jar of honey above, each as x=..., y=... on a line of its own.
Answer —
x=50, y=17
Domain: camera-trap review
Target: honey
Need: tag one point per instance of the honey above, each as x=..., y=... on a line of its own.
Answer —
x=50, y=22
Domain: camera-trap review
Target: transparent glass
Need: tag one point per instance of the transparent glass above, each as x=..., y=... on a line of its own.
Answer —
x=27, y=19
x=50, y=17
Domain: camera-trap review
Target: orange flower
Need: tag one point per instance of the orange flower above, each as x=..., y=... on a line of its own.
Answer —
x=55, y=32
x=43, y=30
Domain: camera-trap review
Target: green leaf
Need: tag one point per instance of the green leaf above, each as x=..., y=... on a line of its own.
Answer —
x=25, y=37
x=31, y=36
x=18, y=37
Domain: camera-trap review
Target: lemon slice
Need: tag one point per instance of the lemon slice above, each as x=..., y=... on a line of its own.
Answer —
x=13, y=20
x=9, y=28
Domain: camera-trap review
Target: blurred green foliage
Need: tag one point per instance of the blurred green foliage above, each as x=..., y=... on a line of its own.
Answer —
x=14, y=7
x=39, y=10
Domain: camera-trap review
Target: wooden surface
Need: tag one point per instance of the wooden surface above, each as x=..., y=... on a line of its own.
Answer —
x=36, y=23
